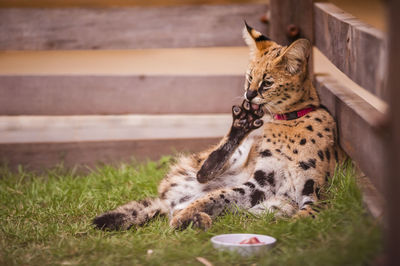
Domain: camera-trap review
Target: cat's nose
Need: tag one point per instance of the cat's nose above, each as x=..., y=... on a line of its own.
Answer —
x=250, y=94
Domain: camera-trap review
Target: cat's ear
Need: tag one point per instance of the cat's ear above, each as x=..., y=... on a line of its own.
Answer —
x=255, y=40
x=295, y=57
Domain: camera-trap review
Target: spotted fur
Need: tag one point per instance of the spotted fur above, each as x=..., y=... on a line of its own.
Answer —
x=262, y=164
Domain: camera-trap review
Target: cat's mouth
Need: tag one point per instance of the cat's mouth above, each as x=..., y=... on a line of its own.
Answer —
x=255, y=106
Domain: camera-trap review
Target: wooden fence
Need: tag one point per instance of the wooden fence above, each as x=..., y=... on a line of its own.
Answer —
x=370, y=136
x=371, y=59
x=156, y=114
x=357, y=49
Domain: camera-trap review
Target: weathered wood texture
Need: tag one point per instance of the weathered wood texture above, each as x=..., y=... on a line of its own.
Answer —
x=356, y=48
x=291, y=12
x=41, y=156
x=127, y=28
x=287, y=13
x=393, y=142
x=36, y=129
x=372, y=198
x=114, y=3
x=359, y=126
x=77, y=95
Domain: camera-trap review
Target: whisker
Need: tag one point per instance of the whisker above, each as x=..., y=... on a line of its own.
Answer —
x=237, y=97
x=280, y=110
x=269, y=110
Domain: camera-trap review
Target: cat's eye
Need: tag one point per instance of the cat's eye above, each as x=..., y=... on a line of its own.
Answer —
x=268, y=83
x=265, y=85
x=249, y=78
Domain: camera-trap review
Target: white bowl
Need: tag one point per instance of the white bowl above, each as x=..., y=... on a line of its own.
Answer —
x=230, y=242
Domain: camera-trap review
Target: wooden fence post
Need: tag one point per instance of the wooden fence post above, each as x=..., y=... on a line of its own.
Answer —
x=393, y=144
x=290, y=20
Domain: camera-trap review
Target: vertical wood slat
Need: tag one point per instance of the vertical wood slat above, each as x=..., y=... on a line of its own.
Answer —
x=393, y=143
x=356, y=48
x=127, y=28
x=292, y=12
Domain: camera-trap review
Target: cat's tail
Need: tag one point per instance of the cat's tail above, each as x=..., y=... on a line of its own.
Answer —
x=134, y=213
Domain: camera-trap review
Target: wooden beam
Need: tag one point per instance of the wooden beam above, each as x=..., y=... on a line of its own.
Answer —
x=212, y=61
x=139, y=94
x=372, y=198
x=356, y=48
x=38, y=129
x=392, y=159
x=359, y=126
x=127, y=28
x=42, y=156
x=114, y=3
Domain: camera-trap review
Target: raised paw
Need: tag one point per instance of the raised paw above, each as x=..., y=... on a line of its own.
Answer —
x=183, y=219
x=247, y=117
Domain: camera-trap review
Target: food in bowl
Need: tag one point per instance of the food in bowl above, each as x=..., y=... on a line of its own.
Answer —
x=251, y=240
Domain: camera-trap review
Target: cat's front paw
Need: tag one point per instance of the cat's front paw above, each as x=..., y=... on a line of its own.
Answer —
x=184, y=218
x=247, y=117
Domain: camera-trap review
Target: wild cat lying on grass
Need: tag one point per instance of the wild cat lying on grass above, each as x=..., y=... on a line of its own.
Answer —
x=280, y=150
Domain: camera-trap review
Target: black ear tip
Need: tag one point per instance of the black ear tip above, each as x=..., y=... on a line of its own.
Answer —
x=247, y=26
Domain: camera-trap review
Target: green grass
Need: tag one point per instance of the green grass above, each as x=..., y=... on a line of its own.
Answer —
x=46, y=219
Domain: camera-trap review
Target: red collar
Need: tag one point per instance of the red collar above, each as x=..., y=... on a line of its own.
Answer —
x=294, y=115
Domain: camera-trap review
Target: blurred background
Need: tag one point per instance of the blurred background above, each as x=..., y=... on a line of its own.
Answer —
x=83, y=81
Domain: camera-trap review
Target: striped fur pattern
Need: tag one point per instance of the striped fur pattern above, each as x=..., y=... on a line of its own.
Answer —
x=262, y=164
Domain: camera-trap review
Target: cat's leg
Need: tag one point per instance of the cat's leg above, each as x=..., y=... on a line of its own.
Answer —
x=307, y=200
x=281, y=206
x=134, y=213
x=245, y=119
x=203, y=210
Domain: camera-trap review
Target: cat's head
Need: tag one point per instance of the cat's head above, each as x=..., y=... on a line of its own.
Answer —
x=276, y=74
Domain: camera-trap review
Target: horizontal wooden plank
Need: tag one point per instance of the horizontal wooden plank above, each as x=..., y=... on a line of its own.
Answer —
x=356, y=48
x=186, y=61
x=42, y=156
x=359, y=124
x=140, y=94
x=115, y=3
x=324, y=66
x=126, y=28
x=36, y=129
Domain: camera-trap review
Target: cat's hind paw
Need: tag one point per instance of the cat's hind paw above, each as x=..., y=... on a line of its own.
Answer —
x=110, y=221
x=183, y=219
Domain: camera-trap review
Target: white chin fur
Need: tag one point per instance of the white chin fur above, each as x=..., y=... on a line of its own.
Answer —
x=257, y=100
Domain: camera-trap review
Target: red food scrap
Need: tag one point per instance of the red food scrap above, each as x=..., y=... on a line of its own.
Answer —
x=252, y=240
